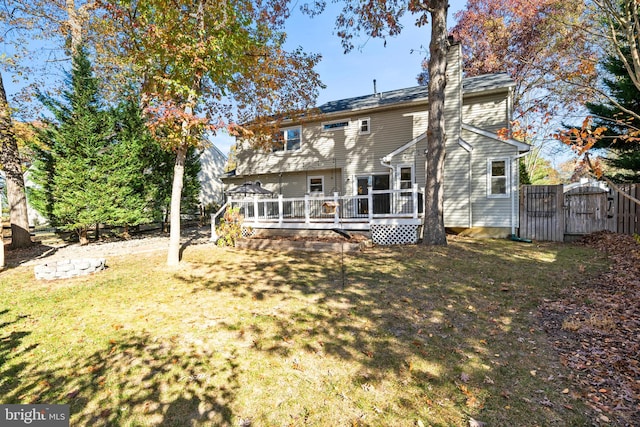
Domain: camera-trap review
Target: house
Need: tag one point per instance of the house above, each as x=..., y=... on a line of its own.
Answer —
x=212, y=163
x=35, y=218
x=370, y=151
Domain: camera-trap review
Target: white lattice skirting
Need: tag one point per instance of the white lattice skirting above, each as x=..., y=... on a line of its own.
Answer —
x=386, y=234
x=247, y=232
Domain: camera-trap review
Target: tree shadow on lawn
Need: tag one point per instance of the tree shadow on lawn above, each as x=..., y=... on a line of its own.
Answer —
x=136, y=380
x=451, y=326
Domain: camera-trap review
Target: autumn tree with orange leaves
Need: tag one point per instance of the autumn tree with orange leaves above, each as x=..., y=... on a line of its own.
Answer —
x=541, y=45
x=618, y=36
x=194, y=60
x=536, y=43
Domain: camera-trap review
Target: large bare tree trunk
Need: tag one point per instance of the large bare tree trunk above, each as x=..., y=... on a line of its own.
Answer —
x=173, y=256
x=434, y=232
x=12, y=167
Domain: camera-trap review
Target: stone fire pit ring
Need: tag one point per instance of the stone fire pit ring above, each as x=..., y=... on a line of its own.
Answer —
x=68, y=268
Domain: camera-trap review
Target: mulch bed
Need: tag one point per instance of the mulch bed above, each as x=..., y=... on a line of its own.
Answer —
x=596, y=329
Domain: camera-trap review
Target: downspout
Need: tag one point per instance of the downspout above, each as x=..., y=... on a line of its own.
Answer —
x=509, y=107
x=514, y=165
x=470, y=189
x=385, y=161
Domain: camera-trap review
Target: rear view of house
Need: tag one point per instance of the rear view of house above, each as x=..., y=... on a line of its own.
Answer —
x=366, y=156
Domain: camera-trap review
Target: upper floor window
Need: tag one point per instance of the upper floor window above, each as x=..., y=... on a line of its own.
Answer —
x=288, y=139
x=364, y=126
x=335, y=125
x=498, y=178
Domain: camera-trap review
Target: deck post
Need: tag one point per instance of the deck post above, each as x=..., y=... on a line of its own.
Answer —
x=255, y=208
x=415, y=200
x=306, y=208
x=336, y=212
x=280, y=209
x=370, y=203
x=214, y=236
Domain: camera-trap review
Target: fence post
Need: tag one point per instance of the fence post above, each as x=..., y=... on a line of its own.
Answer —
x=306, y=208
x=336, y=213
x=370, y=202
x=280, y=209
x=415, y=200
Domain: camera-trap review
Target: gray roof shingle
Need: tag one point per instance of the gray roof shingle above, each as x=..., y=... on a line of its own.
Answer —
x=475, y=84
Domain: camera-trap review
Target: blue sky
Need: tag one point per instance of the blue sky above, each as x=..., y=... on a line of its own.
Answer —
x=352, y=74
x=345, y=75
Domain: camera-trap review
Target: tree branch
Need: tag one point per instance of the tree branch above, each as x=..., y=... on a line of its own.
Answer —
x=611, y=183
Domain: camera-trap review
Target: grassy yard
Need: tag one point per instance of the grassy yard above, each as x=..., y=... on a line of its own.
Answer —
x=395, y=336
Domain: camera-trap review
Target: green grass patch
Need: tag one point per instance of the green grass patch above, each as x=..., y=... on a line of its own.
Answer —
x=391, y=336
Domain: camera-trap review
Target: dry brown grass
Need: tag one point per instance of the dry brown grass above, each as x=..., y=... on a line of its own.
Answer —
x=390, y=336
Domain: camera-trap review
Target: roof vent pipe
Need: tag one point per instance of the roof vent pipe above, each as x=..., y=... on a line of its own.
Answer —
x=375, y=90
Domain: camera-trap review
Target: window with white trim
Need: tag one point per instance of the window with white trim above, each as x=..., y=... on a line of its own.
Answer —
x=316, y=185
x=288, y=139
x=339, y=124
x=405, y=179
x=364, y=126
x=498, y=178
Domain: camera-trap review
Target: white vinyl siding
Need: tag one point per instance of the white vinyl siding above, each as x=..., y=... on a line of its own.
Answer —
x=457, y=185
x=487, y=211
x=361, y=154
x=294, y=184
x=487, y=112
x=457, y=173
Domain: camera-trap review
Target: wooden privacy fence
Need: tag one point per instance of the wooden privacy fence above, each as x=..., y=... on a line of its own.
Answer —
x=557, y=213
x=628, y=212
x=541, y=212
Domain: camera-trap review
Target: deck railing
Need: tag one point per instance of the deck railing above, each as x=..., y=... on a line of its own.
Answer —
x=376, y=204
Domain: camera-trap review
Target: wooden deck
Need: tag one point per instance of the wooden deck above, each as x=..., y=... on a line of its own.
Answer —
x=360, y=212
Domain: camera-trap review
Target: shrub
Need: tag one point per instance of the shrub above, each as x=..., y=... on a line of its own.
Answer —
x=230, y=228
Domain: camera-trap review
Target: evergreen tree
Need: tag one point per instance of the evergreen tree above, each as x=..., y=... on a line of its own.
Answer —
x=143, y=172
x=625, y=154
x=159, y=181
x=71, y=173
x=130, y=199
x=95, y=166
x=525, y=179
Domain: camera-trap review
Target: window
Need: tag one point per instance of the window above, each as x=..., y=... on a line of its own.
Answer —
x=287, y=139
x=498, y=173
x=405, y=179
x=335, y=125
x=316, y=185
x=364, y=126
